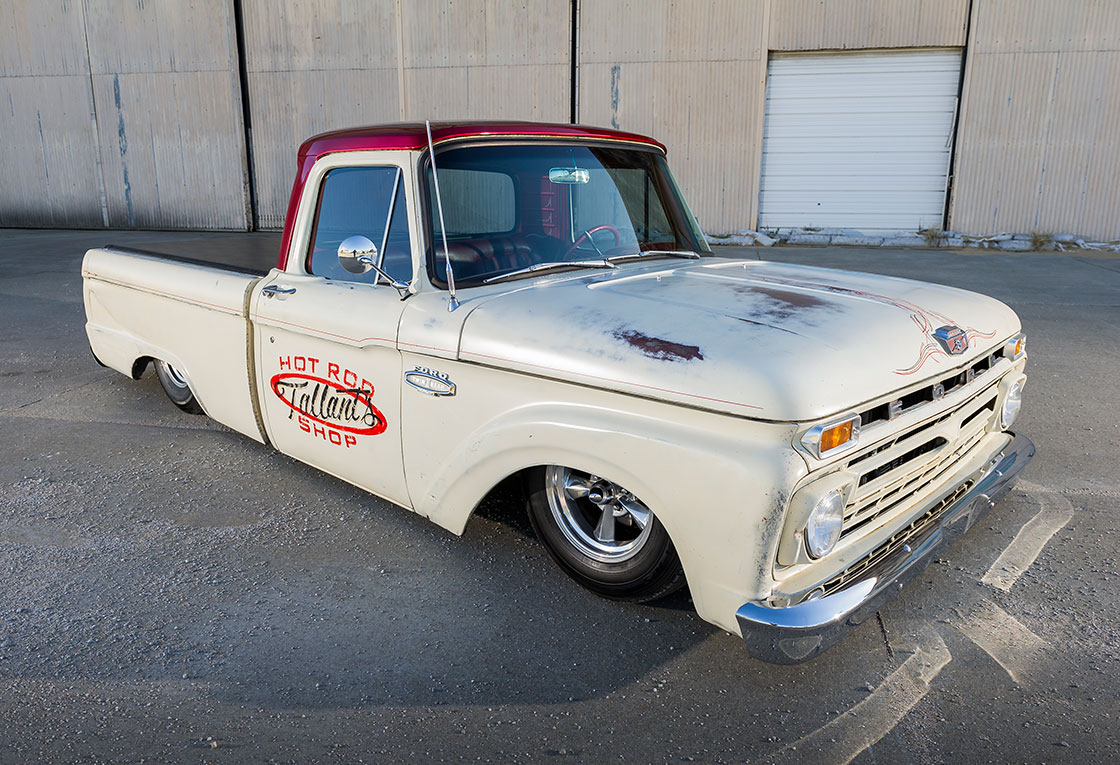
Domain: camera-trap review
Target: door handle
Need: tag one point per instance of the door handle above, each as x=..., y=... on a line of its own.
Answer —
x=273, y=290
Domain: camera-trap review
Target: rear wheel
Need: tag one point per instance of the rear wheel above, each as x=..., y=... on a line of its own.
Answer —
x=176, y=387
x=602, y=535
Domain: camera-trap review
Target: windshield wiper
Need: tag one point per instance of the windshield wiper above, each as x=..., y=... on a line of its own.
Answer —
x=687, y=254
x=556, y=264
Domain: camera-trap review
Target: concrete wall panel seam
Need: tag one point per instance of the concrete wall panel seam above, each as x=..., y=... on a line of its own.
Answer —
x=239, y=84
x=102, y=198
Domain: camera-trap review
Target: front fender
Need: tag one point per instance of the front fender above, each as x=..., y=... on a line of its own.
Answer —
x=718, y=484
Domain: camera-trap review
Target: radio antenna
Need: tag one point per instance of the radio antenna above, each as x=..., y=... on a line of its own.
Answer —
x=452, y=304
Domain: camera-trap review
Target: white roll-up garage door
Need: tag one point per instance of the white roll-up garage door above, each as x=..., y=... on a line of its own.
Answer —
x=858, y=140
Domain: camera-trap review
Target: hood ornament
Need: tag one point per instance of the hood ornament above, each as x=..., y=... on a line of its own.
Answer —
x=952, y=338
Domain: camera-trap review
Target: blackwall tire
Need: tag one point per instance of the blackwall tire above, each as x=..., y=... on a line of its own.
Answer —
x=627, y=556
x=176, y=387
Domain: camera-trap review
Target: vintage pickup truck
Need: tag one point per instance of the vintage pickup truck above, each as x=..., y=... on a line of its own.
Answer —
x=456, y=304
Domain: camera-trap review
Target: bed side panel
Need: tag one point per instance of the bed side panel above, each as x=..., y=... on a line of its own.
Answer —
x=189, y=315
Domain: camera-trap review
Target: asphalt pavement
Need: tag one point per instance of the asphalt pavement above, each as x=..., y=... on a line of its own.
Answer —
x=172, y=591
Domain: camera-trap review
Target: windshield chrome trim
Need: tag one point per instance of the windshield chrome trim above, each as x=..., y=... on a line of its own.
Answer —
x=542, y=138
x=686, y=254
x=549, y=266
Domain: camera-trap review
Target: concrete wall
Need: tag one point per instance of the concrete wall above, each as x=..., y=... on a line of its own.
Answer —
x=313, y=68
x=692, y=75
x=124, y=114
x=49, y=152
x=1038, y=148
x=322, y=66
x=131, y=114
x=859, y=24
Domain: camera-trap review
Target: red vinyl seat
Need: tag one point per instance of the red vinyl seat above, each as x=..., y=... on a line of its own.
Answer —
x=471, y=257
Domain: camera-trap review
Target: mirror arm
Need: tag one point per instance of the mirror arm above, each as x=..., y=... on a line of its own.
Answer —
x=396, y=284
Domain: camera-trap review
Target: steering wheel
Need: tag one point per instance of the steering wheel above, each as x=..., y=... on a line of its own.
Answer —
x=589, y=235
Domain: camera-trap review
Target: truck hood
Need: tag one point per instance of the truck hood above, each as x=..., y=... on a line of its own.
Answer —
x=757, y=339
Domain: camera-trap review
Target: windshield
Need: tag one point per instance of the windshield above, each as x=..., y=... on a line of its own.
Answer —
x=508, y=208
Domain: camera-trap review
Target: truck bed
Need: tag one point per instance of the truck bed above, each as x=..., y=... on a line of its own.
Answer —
x=187, y=307
x=251, y=253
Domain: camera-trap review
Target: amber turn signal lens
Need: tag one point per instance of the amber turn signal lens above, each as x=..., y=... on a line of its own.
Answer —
x=1014, y=348
x=830, y=436
x=835, y=436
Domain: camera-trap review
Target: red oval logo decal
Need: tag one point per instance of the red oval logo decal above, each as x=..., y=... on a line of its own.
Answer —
x=328, y=403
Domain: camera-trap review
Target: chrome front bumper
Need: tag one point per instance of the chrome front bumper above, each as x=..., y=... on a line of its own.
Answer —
x=798, y=633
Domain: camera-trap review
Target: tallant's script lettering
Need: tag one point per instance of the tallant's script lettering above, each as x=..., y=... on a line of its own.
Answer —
x=336, y=407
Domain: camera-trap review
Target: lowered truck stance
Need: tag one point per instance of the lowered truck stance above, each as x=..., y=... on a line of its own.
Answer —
x=457, y=306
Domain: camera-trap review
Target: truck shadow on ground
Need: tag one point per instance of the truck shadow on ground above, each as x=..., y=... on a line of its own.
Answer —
x=486, y=619
x=234, y=575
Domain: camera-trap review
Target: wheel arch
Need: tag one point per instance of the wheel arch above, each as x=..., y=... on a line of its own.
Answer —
x=140, y=365
x=537, y=435
x=716, y=484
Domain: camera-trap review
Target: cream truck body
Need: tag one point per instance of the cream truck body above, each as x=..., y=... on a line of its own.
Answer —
x=697, y=384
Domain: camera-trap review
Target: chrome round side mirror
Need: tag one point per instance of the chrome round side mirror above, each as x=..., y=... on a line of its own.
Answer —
x=357, y=254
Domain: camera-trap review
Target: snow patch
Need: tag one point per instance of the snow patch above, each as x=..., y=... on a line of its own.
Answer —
x=1008, y=242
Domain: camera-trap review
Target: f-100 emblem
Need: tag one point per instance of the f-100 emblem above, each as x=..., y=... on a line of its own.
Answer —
x=953, y=339
x=430, y=381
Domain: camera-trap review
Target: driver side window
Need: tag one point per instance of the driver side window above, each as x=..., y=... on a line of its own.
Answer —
x=365, y=201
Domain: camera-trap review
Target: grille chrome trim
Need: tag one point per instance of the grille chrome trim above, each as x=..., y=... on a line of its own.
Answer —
x=894, y=473
x=892, y=408
x=908, y=537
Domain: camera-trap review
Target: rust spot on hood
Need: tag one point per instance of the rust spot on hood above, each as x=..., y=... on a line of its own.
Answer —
x=792, y=299
x=778, y=304
x=658, y=348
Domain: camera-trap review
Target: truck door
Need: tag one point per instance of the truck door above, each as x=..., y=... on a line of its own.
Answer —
x=328, y=368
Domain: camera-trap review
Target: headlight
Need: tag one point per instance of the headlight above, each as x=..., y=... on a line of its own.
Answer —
x=823, y=530
x=824, y=440
x=1012, y=403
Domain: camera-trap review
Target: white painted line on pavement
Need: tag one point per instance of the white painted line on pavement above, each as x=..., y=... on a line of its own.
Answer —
x=1025, y=548
x=1014, y=647
x=844, y=738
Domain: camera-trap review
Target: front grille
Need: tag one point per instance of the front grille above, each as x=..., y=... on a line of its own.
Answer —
x=908, y=537
x=931, y=392
x=901, y=460
x=893, y=474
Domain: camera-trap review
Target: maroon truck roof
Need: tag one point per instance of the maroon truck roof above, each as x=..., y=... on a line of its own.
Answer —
x=413, y=135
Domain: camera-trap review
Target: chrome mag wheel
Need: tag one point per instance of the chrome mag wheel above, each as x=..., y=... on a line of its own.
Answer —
x=175, y=376
x=601, y=535
x=176, y=387
x=598, y=517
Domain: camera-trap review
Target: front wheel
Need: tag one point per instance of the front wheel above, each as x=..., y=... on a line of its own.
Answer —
x=602, y=535
x=176, y=387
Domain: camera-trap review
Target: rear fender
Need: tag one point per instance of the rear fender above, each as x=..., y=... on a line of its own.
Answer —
x=191, y=316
